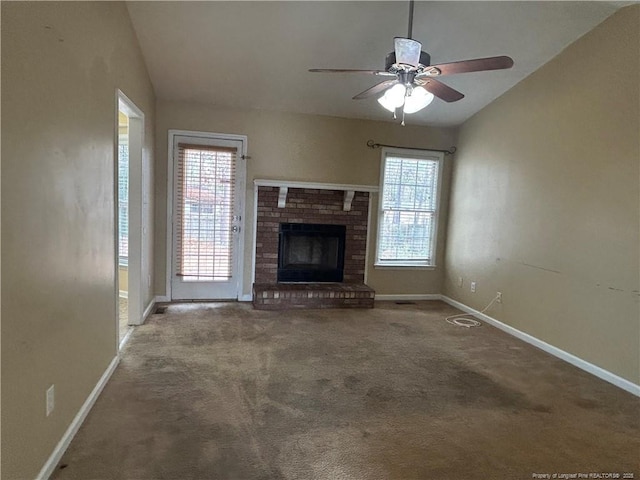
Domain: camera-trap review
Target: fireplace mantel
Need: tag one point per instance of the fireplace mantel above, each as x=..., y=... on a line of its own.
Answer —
x=319, y=186
x=285, y=185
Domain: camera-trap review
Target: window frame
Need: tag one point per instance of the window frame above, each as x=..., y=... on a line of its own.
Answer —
x=430, y=262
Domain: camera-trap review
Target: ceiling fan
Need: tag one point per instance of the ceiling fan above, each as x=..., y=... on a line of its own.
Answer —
x=414, y=85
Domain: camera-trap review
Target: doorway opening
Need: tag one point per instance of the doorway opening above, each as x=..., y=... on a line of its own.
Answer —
x=128, y=220
x=123, y=225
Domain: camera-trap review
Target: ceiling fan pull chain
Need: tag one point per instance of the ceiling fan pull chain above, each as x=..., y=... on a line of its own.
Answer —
x=402, y=116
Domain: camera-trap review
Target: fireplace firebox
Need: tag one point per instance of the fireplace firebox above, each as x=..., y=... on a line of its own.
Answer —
x=311, y=252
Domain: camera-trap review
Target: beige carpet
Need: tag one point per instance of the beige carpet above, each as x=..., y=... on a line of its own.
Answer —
x=221, y=391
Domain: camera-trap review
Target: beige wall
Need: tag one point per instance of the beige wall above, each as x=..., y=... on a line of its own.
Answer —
x=123, y=279
x=545, y=201
x=304, y=148
x=61, y=65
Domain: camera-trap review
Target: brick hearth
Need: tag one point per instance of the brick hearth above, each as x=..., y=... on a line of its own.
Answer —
x=279, y=296
x=310, y=205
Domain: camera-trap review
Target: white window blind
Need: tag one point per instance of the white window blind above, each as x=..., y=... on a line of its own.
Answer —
x=205, y=195
x=123, y=199
x=408, y=210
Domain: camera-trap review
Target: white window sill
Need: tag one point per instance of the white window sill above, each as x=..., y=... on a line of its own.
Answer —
x=386, y=266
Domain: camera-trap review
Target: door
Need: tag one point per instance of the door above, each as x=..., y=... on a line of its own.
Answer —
x=208, y=189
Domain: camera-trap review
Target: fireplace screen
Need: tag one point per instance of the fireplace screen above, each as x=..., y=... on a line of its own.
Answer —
x=311, y=253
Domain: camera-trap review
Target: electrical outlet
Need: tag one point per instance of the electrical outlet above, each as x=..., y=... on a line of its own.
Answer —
x=473, y=287
x=499, y=297
x=51, y=399
x=460, y=281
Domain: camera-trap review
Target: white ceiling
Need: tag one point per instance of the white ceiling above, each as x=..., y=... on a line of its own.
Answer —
x=255, y=55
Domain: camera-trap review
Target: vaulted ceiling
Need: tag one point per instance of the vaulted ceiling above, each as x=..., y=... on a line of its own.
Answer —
x=256, y=55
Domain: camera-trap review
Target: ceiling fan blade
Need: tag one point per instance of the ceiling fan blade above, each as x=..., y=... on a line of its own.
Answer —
x=475, y=65
x=377, y=88
x=439, y=89
x=347, y=70
x=407, y=51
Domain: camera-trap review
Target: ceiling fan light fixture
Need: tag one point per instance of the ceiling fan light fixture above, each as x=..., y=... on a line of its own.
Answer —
x=393, y=98
x=418, y=100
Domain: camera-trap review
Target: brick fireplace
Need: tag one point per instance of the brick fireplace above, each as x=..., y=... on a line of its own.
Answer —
x=285, y=207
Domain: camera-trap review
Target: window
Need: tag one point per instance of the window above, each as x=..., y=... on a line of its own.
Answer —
x=123, y=197
x=408, y=208
x=205, y=200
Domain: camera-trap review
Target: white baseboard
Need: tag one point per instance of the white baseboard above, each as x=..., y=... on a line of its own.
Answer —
x=409, y=297
x=149, y=309
x=50, y=465
x=555, y=351
x=123, y=294
x=247, y=297
x=125, y=339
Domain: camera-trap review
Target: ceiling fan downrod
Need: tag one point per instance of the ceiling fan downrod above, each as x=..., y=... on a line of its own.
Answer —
x=410, y=30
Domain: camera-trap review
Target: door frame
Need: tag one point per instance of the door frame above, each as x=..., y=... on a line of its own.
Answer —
x=241, y=172
x=134, y=264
